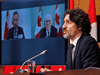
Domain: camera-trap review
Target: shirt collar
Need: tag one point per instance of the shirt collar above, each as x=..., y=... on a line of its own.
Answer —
x=16, y=29
x=75, y=41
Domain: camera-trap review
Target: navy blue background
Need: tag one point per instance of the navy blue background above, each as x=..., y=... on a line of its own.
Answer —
x=15, y=52
x=18, y=4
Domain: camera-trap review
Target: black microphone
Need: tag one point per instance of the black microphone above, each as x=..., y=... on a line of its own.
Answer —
x=20, y=70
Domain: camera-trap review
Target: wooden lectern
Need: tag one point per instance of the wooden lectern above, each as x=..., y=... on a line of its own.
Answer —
x=66, y=72
x=75, y=72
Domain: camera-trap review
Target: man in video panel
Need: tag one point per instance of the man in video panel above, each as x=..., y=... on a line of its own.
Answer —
x=15, y=32
x=83, y=51
x=48, y=30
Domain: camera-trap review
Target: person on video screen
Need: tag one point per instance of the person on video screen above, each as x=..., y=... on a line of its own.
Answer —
x=83, y=51
x=15, y=32
x=48, y=30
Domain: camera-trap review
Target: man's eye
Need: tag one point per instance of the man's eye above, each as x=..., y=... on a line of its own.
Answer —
x=67, y=21
x=15, y=19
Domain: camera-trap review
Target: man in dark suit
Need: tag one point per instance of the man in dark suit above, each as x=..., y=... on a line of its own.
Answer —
x=83, y=51
x=48, y=30
x=15, y=32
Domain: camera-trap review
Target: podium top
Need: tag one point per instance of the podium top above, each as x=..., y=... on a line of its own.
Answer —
x=75, y=72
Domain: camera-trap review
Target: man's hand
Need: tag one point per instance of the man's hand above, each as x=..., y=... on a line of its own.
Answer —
x=44, y=69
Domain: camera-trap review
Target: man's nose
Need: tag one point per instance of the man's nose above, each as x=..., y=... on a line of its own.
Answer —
x=15, y=21
x=63, y=26
x=47, y=24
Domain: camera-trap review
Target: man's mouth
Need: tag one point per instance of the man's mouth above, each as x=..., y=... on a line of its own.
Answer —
x=65, y=31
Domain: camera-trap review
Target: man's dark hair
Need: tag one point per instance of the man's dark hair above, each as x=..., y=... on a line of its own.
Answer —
x=15, y=13
x=80, y=18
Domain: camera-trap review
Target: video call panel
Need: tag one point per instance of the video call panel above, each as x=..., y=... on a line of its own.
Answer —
x=28, y=19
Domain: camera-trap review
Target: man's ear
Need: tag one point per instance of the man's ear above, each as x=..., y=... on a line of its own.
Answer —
x=80, y=28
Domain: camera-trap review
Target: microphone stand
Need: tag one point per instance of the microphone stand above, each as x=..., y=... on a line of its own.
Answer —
x=21, y=70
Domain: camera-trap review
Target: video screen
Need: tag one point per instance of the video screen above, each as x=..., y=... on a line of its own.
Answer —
x=28, y=29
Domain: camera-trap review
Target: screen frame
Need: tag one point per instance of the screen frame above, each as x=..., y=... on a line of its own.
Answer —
x=30, y=1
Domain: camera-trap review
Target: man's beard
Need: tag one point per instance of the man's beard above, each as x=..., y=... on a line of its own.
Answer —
x=66, y=36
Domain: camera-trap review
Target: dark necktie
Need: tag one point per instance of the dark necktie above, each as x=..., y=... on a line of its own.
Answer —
x=72, y=55
x=48, y=34
x=16, y=34
x=71, y=47
x=69, y=56
x=72, y=51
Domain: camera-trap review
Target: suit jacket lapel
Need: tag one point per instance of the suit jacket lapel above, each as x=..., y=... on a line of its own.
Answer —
x=13, y=32
x=44, y=32
x=18, y=30
x=51, y=33
x=77, y=47
x=75, y=54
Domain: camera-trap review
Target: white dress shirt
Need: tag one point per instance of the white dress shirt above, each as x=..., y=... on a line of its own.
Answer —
x=48, y=34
